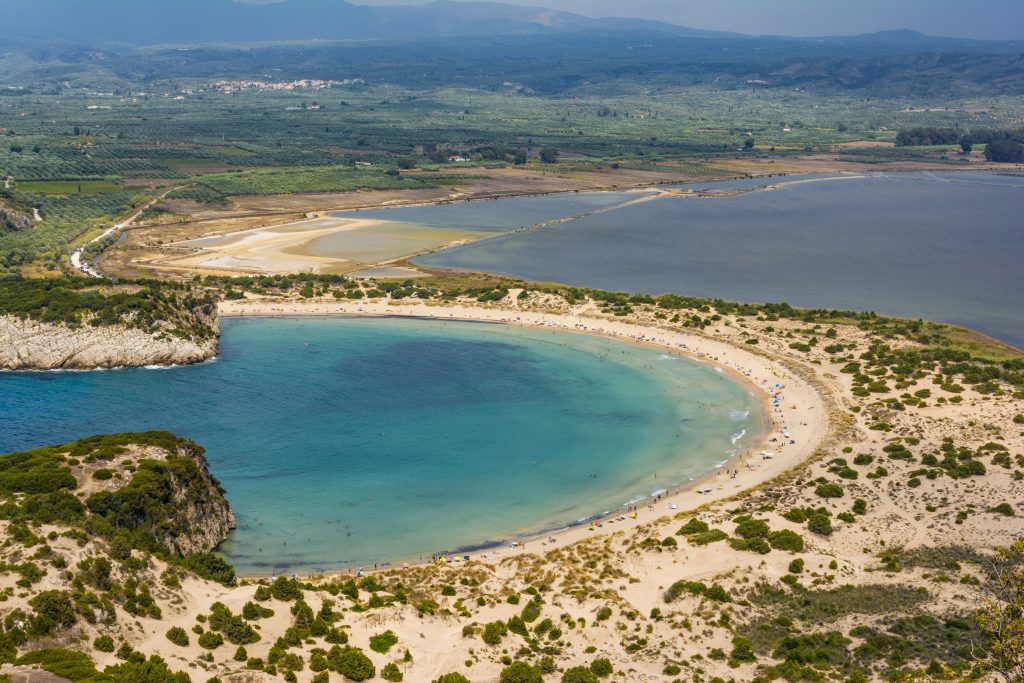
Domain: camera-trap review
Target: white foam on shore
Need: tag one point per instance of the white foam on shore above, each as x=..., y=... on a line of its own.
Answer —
x=737, y=437
x=739, y=415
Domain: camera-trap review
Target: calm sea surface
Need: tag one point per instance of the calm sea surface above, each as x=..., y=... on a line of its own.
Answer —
x=947, y=247
x=348, y=442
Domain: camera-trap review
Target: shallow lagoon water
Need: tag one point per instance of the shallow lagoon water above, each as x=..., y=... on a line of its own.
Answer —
x=348, y=442
x=941, y=246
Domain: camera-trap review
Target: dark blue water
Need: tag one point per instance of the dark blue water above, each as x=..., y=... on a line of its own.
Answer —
x=947, y=247
x=348, y=442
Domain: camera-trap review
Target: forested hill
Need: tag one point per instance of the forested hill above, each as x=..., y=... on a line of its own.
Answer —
x=539, y=64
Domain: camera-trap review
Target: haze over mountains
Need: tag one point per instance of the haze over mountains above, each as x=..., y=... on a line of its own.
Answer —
x=154, y=22
x=213, y=21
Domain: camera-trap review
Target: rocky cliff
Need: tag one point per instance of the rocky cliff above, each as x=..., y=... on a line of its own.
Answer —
x=199, y=517
x=31, y=345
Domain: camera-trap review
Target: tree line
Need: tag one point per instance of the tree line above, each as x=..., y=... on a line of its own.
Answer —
x=1004, y=146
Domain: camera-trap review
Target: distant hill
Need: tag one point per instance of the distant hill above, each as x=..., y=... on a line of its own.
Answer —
x=152, y=22
x=117, y=43
x=191, y=22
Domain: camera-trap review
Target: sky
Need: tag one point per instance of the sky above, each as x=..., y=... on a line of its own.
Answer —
x=989, y=19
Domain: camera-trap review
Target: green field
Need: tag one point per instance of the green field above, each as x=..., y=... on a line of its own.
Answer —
x=313, y=179
x=66, y=187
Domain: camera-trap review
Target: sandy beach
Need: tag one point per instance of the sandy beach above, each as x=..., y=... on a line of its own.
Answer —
x=900, y=544
x=797, y=421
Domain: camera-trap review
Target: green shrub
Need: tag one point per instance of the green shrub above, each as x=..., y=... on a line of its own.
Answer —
x=520, y=672
x=69, y=664
x=694, y=526
x=178, y=636
x=601, y=667
x=494, y=632
x=53, y=611
x=668, y=542
x=426, y=606
x=847, y=517
x=860, y=506
x=754, y=545
x=1003, y=509
x=707, y=537
x=796, y=515
x=351, y=663
x=104, y=643
x=796, y=566
x=820, y=524
x=786, y=540
x=752, y=528
x=829, y=491
x=211, y=640
x=742, y=650
x=391, y=672
x=285, y=589
x=383, y=642
x=212, y=567
x=579, y=674
x=532, y=611
x=451, y=678
x=103, y=474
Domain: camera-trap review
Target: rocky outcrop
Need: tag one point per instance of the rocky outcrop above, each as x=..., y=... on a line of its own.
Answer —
x=156, y=483
x=12, y=221
x=31, y=345
x=201, y=517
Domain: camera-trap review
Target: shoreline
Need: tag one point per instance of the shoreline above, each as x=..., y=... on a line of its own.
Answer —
x=799, y=417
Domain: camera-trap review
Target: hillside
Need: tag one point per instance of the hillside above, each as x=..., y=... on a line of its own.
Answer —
x=867, y=561
x=74, y=324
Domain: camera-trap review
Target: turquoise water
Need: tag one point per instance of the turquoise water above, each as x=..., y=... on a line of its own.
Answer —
x=946, y=247
x=348, y=442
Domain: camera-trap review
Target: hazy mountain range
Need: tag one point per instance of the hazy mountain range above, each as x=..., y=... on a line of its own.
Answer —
x=155, y=22
x=149, y=22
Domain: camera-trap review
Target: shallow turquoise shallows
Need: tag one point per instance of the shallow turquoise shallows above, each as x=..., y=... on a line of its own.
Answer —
x=348, y=442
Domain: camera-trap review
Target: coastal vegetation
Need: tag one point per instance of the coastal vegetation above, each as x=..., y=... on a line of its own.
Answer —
x=808, y=618
x=889, y=550
x=152, y=306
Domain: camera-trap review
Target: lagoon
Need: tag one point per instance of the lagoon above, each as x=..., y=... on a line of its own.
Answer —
x=944, y=246
x=349, y=442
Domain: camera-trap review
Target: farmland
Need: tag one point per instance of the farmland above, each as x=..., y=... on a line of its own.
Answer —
x=86, y=149
x=66, y=187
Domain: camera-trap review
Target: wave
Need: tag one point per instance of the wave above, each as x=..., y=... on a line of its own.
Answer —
x=736, y=437
x=737, y=415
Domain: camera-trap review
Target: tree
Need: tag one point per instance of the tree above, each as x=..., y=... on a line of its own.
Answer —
x=748, y=144
x=451, y=678
x=1001, y=616
x=549, y=155
x=1005, y=151
x=351, y=663
x=53, y=611
x=521, y=672
x=579, y=674
x=966, y=145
